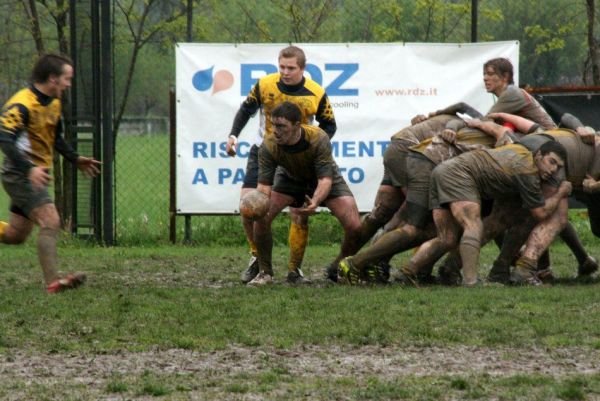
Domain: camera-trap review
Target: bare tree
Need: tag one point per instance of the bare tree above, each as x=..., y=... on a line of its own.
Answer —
x=142, y=30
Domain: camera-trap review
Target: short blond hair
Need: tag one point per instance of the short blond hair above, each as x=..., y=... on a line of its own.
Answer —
x=294, y=51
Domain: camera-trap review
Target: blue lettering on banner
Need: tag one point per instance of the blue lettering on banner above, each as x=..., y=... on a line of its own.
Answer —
x=365, y=148
x=199, y=177
x=212, y=150
x=333, y=88
x=225, y=174
x=355, y=175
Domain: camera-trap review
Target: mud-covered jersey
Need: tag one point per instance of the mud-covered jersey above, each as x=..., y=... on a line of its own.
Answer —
x=269, y=92
x=581, y=157
x=504, y=172
x=415, y=134
x=467, y=139
x=515, y=100
x=306, y=161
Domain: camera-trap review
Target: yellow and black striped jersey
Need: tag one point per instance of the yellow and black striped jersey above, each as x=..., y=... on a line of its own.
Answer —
x=31, y=119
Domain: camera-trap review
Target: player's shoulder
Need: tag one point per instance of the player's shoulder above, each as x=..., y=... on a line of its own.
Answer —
x=314, y=133
x=269, y=79
x=24, y=97
x=314, y=87
x=513, y=91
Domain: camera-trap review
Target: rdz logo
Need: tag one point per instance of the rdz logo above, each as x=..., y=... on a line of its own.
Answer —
x=220, y=81
x=334, y=88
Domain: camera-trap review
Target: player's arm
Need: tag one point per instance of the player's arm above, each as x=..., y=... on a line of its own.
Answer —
x=551, y=203
x=13, y=120
x=88, y=165
x=325, y=117
x=247, y=109
x=461, y=107
x=521, y=124
x=568, y=120
x=501, y=134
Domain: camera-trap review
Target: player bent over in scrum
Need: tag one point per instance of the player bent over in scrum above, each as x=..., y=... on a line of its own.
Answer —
x=459, y=185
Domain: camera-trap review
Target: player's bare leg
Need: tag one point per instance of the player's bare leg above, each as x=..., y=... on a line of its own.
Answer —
x=387, y=201
x=248, y=226
x=263, y=237
x=448, y=234
x=468, y=215
x=538, y=242
x=344, y=208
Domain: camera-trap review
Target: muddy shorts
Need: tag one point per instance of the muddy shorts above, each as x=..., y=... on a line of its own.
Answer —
x=394, y=164
x=451, y=181
x=251, y=177
x=23, y=196
x=284, y=184
x=419, y=170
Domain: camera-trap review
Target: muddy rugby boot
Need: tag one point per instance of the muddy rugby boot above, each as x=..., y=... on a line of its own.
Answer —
x=69, y=282
x=261, y=280
x=296, y=277
x=331, y=273
x=348, y=272
x=587, y=268
x=250, y=272
x=378, y=273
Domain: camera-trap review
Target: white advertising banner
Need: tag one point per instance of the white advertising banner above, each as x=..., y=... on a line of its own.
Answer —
x=375, y=89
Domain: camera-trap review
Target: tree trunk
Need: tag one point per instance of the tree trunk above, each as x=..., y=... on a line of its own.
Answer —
x=594, y=51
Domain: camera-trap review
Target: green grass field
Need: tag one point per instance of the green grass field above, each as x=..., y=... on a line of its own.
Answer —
x=172, y=322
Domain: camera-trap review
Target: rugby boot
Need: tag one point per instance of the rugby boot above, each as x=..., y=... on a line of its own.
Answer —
x=378, y=273
x=545, y=275
x=524, y=273
x=261, y=280
x=449, y=274
x=348, y=272
x=500, y=273
x=331, y=273
x=69, y=282
x=587, y=268
x=406, y=278
x=296, y=277
x=251, y=271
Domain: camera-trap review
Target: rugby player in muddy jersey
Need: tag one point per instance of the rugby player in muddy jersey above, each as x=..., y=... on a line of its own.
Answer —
x=583, y=165
x=296, y=168
x=459, y=185
x=420, y=162
x=289, y=84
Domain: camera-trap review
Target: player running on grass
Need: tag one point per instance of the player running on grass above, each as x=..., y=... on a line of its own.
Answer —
x=30, y=132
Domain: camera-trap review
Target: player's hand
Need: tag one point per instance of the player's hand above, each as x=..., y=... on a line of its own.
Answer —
x=418, y=119
x=231, y=147
x=586, y=136
x=448, y=135
x=503, y=140
x=590, y=185
x=309, y=208
x=39, y=178
x=565, y=188
x=473, y=123
x=495, y=116
x=89, y=166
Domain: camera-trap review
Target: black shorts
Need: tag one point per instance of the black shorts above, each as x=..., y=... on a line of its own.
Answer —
x=299, y=190
x=23, y=196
